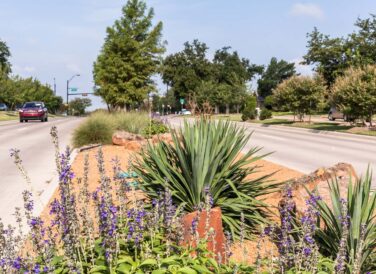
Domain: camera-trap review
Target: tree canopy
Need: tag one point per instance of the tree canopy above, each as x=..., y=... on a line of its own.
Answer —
x=354, y=93
x=16, y=90
x=220, y=81
x=275, y=73
x=129, y=57
x=5, y=66
x=332, y=56
x=77, y=106
x=300, y=94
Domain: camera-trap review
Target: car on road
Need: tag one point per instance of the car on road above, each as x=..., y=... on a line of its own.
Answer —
x=33, y=111
x=3, y=107
x=336, y=114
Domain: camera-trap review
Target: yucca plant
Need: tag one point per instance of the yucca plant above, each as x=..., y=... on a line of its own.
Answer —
x=204, y=157
x=359, y=223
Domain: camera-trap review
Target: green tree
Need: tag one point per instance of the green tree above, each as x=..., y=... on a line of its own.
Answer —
x=185, y=71
x=354, y=93
x=77, y=106
x=275, y=73
x=5, y=66
x=300, y=94
x=332, y=56
x=129, y=57
x=232, y=73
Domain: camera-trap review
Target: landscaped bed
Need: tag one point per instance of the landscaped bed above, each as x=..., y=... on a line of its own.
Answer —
x=192, y=203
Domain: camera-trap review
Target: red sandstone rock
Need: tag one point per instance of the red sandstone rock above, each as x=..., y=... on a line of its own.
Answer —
x=215, y=222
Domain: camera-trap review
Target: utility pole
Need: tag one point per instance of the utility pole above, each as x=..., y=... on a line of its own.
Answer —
x=54, y=86
x=68, y=90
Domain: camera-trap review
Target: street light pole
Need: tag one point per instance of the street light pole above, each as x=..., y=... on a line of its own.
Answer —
x=68, y=90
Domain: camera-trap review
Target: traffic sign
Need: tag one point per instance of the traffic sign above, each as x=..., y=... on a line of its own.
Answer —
x=182, y=101
x=84, y=94
x=73, y=89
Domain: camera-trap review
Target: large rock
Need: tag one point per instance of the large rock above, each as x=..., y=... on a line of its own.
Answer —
x=213, y=222
x=166, y=137
x=318, y=179
x=128, y=140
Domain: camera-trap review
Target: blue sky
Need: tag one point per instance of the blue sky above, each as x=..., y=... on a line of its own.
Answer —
x=58, y=38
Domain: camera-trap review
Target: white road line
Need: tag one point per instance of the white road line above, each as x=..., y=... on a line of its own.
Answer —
x=269, y=136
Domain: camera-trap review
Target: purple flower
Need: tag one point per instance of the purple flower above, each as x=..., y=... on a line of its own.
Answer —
x=17, y=263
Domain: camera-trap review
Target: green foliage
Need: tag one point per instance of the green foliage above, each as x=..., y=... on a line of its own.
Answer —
x=99, y=127
x=360, y=214
x=130, y=57
x=276, y=72
x=300, y=94
x=332, y=56
x=5, y=66
x=77, y=106
x=354, y=93
x=249, y=110
x=265, y=114
x=155, y=127
x=269, y=102
x=221, y=81
x=204, y=156
x=17, y=90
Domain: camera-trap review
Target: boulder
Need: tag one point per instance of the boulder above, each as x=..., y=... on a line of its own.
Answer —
x=342, y=172
x=166, y=137
x=128, y=140
x=214, y=221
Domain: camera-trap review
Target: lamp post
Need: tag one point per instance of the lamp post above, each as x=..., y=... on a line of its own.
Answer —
x=68, y=81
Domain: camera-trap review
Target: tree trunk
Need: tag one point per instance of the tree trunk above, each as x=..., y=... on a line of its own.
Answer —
x=227, y=109
x=237, y=109
x=216, y=110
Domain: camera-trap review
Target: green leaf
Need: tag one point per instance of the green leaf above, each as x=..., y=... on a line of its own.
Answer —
x=187, y=270
x=149, y=262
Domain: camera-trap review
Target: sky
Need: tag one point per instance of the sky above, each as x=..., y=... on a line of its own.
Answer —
x=59, y=38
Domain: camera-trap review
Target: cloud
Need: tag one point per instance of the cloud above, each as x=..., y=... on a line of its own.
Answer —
x=307, y=9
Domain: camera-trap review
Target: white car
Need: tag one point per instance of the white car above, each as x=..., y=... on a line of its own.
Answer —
x=186, y=112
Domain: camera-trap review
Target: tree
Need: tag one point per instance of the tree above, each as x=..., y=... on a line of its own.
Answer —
x=5, y=66
x=16, y=90
x=185, y=71
x=354, y=93
x=275, y=73
x=129, y=57
x=249, y=111
x=232, y=73
x=332, y=56
x=78, y=106
x=300, y=94
x=222, y=81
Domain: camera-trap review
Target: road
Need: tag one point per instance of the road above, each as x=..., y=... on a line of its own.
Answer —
x=37, y=153
x=306, y=150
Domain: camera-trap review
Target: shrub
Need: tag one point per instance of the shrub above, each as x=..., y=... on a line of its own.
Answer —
x=99, y=126
x=204, y=157
x=265, y=114
x=249, y=110
x=269, y=102
x=156, y=127
x=348, y=232
x=300, y=94
x=354, y=93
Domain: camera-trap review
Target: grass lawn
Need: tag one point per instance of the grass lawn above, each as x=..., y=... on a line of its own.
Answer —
x=319, y=126
x=8, y=115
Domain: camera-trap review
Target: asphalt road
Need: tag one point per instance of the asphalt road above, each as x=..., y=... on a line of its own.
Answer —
x=37, y=153
x=306, y=150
